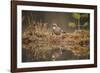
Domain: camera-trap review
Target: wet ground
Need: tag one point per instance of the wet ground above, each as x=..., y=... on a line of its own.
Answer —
x=52, y=55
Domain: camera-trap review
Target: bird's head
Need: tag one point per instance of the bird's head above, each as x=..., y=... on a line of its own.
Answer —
x=54, y=25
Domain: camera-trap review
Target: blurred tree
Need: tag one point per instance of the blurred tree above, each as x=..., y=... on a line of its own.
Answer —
x=85, y=20
x=77, y=16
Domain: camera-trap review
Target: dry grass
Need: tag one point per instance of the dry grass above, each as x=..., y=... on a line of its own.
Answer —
x=44, y=45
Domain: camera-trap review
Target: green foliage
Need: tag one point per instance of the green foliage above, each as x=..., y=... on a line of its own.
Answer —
x=71, y=24
x=76, y=15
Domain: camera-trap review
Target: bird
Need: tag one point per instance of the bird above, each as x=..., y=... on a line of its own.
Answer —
x=56, y=29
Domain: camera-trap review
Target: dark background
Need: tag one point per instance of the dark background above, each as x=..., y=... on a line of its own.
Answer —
x=60, y=18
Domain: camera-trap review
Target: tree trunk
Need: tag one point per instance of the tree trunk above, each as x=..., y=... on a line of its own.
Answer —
x=78, y=24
